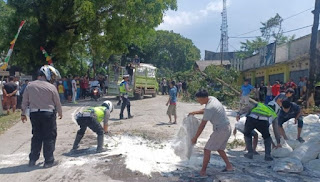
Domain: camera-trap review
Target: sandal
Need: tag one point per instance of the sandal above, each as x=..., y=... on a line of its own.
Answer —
x=226, y=170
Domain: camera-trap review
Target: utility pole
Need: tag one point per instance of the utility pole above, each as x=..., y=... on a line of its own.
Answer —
x=313, y=71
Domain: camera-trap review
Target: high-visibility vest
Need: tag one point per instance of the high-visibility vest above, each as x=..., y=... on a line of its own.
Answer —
x=122, y=87
x=264, y=110
x=98, y=111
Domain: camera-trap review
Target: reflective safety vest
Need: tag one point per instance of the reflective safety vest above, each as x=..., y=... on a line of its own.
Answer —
x=98, y=111
x=264, y=110
x=122, y=87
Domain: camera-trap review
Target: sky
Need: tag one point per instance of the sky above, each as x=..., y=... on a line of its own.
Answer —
x=200, y=20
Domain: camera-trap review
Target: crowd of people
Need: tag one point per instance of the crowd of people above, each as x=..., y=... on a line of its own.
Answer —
x=73, y=88
x=266, y=92
x=182, y=87
x=70, y=89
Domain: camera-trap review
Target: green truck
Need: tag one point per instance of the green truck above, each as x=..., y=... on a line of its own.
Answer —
x=144, y=81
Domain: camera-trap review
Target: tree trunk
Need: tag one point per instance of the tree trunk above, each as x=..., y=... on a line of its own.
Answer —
x=313, y=54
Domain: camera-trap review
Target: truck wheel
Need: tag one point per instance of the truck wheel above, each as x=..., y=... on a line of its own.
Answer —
x=137, y=96
x=154, y=94
x=142, y=94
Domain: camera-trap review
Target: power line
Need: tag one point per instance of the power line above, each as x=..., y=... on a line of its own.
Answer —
x=297, y=29
x=282, y=32
x=283, y=20
x=298, y=13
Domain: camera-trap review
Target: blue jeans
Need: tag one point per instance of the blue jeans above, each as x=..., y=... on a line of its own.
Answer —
x=61, y=97
x=78, y=93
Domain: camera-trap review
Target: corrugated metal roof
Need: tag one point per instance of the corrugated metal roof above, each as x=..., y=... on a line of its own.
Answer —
x=203, y=64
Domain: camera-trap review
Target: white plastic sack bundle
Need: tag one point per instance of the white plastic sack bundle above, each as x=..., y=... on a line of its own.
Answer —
x=284, y=151
x=307, y=151
x=291, y=129
x=293, y=143
x=240, y=124
x=289, y=165
x=314, y=166
x=311, y=118
x=182, y=145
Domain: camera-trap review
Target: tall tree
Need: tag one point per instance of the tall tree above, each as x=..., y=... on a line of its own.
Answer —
x=166, y=49
x=100, y=28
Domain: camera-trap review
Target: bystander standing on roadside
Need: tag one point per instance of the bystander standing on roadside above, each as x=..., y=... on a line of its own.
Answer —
x=172, y=103
x=164, y=86
x=78, y=88
x=184, y=87
x=275, y=89
x=43, y=100
x=74, y=89
x=9, y=91
x=269, y=94
x=301, y=85
x=61, y=91
x=246, y=89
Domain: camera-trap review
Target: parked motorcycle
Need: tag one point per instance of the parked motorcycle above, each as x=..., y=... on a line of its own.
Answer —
x=95, y=93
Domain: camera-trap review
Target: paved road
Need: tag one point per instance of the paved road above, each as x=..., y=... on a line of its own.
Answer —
x=150, y=126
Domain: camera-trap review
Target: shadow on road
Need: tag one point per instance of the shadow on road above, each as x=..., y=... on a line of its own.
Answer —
x=163, y=124
x=23, y=168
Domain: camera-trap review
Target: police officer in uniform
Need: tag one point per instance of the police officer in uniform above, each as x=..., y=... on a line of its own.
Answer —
x=260, y=116
x=42, y=98
x=124, y=89
x=91, y=118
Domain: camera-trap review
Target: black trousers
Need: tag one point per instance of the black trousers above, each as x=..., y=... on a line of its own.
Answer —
x=44, y=131
x=261, y=125
x=90, y=122
x=125, y=103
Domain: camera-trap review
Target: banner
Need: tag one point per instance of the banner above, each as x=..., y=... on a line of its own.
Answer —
x=4, y=65
x=48, y=58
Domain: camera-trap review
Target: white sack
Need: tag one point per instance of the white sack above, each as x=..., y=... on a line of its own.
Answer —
x=240, y=124
x=293, y=143
x=289, y=165
x=311, y=118
x=282, y=152
x=307, y=151
x=314, y=166
x=182, y=145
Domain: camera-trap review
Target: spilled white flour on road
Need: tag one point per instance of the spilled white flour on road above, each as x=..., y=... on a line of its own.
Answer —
x=13, y=159
x=147, y=156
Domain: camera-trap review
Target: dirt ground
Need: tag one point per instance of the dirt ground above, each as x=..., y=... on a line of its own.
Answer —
x=150, y=123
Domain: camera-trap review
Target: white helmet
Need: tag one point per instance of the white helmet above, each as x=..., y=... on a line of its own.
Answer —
x=108, y=104
x=50, y=72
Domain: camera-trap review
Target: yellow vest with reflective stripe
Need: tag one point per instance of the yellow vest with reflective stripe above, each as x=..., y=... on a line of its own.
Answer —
x=98, y=111
x=264, y=110
x=122, y=87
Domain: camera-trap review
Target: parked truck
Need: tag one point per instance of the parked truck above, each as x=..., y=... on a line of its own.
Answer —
x=143, y=82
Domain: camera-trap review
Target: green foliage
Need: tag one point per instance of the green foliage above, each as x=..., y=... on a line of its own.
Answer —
x=71, y=30
x=168, y=51
x=196, y=81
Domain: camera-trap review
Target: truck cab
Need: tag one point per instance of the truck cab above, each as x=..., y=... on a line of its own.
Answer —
x=143, y=81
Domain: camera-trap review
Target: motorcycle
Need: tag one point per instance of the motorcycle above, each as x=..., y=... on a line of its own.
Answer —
x=95, y=93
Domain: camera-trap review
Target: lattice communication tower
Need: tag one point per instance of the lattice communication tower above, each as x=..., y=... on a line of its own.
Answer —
x=224, y=29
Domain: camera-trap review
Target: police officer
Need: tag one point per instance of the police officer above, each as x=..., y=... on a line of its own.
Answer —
x=260, y=116
x=42, y=98
x=91, y=118
x=124, y=89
